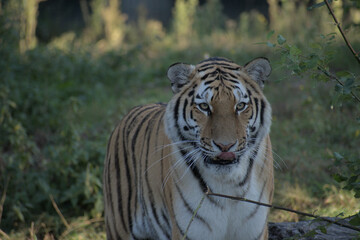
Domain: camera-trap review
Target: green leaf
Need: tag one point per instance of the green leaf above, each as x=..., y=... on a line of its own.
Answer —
x=270, y=44
x=338, y=156
x=315, y=46
x=349, y=82
x=280, y=39
x=339, y=178
x=269, y=35
x=317, y=5
x=323, y=229
x=343, y=74
x=355, y=221
x=352, y=179
x=294, y=51
x=357, y=194
x=338, y=88
x=18, y=213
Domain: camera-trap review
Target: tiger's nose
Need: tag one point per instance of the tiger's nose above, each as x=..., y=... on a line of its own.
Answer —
x=224, y=147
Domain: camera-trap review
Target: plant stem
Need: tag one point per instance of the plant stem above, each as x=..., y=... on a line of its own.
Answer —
x=356, y=55
x=2, y=233
x=59, y=212
x=193, y=216
x=3, y=197
x=329, y=75
x=209, y=193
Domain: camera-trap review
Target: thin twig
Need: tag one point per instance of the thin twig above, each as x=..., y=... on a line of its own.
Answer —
x=59, y=212
x=329, y=75
x=80, y=225
x=356, y=55
x=2, y=233
x=193, y=216
x=3, y=197
x=209, y=193
x=32, y=232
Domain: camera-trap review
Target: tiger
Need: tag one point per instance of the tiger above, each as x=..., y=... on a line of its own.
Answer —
x=213, y=135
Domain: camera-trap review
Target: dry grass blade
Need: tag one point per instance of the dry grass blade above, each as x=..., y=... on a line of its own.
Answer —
x=3, y=197
x=80, y=225
x=59, y=212
x=2, y=233
x=32, y=232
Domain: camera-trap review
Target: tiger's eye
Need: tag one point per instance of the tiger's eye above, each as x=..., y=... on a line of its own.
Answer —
x=240, y=106
x=204, y=107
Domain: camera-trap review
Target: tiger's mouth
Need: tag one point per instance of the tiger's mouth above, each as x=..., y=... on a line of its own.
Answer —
x=220, y=161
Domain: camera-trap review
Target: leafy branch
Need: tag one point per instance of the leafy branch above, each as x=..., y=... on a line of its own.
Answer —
x=356, y=55
x=333, y=77
x=315, y=62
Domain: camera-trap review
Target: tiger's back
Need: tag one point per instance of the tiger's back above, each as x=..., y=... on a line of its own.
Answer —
x=214, y=133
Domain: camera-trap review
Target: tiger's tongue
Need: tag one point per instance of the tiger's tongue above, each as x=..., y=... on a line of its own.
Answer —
x=226, y=156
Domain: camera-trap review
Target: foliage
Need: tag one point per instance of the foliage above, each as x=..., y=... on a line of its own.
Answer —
x=184, y=15
x=60, y=101
x=209, y=18
x=314, y=63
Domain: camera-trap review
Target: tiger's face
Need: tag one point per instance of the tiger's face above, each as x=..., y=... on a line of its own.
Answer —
x=219, y=109
x=222, y=111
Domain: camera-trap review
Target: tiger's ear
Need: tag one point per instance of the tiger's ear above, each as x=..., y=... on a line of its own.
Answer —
x=259, y=70
x=179, y=73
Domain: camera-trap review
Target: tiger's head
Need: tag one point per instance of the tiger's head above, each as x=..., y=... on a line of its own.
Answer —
x=218, y=109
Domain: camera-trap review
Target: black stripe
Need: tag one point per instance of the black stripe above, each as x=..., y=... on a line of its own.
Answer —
x=206, y=75
x=118, y=183
x=206, y=67
x=233, y=81
x=111, y=203
x=209, y=82
x=207, y=88
x=109, y=141
x=232, y=75
x=163, y=214
x=249, y=168
x=191, y=93
x=263, y=106
x=130, y=120
x=184, y=110
x=216, y=59
x=262, y=231
x=250, y=84
x=248, y=172
x=256, y=109
x=148, y=133
x=176, y=117
x=252, y=214
x=194, y=170
x=134, y=160
x=232, y=68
